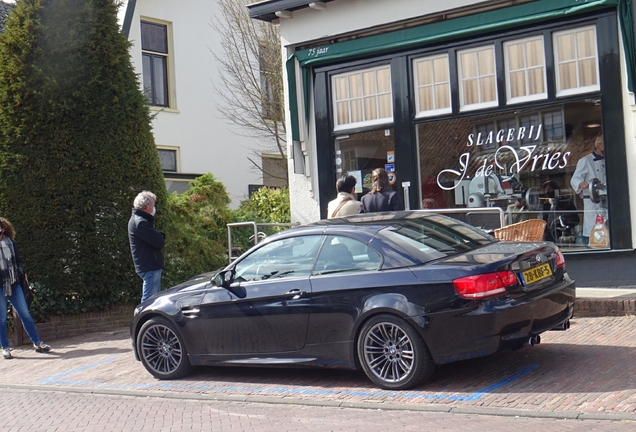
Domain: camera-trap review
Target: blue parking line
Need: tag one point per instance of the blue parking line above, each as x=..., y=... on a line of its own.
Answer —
x=54, y=378
x=58, y=379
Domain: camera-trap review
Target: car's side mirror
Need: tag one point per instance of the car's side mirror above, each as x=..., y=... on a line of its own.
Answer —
x=224, y=278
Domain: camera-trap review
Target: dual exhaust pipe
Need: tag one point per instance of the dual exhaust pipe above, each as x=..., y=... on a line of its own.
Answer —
x=533, y=340
x=536, y=340
x=562, y=327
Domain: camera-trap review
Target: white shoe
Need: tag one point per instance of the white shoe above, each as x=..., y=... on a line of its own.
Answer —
x=41, y=347
x=6, y=353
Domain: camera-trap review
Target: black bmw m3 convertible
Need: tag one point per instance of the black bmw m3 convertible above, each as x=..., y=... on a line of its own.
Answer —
x=394, y=294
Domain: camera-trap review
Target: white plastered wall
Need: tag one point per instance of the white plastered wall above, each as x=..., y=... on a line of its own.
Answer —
x=206, y=142
x=344, y=16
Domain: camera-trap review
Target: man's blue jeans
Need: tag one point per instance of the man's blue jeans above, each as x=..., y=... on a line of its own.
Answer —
x=152, y=283
x=19, y=304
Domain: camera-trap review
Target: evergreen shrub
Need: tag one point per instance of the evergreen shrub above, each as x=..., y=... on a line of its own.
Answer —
x=75, y=149
x=195, y=224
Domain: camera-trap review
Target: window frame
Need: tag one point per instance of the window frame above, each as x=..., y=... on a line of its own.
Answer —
x=555, y=52
x=169, y=63
x=527, y=98
x=177, y=152
x=480, y=105
x=419, y=113
x=364, y=123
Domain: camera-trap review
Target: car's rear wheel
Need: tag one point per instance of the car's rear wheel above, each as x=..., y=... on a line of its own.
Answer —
x=162, y=350
x=392, y=354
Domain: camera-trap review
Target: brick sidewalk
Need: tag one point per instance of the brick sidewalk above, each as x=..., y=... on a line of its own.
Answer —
x=586, y=372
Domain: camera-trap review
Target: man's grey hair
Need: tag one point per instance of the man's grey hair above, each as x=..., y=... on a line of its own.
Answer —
x=143, y=199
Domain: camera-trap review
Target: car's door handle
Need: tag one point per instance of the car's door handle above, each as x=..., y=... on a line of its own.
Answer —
x=190, y=312
x=295, y=293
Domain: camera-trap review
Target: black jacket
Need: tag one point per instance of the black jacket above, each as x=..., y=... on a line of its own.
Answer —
x=145, y=242
x=381, y=201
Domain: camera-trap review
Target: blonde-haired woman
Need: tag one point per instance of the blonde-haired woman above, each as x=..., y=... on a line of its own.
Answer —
x=11, y=270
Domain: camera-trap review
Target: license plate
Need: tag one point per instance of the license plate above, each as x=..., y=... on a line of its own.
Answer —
x=536, y=274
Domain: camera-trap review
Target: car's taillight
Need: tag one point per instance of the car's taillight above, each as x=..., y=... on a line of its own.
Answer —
x=485, y=285
x=560, y=260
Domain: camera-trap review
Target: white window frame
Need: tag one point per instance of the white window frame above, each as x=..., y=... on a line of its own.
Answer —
x=172, y=96
x=379, y=121
x=576, y=90
x=527, y=97
x=479, y=105
x=416, y=85
x=176, y=150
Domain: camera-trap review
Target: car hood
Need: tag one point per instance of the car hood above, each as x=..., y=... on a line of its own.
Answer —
x=194, y=283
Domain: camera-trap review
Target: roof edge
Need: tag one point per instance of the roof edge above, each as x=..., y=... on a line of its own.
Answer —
x=266, y=10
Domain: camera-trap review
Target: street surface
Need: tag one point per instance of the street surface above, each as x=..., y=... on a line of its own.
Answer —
x=580, y=379
x=97, y=413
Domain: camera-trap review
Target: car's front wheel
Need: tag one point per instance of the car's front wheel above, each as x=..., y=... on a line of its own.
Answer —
x=162, y=350
x=392, y=354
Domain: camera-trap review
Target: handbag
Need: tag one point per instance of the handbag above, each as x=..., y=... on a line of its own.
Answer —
x=26, y=289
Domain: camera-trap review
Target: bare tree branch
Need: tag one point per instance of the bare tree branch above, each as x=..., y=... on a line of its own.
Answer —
x=250, y=89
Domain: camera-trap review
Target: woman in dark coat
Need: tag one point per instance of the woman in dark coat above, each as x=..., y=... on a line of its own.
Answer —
x=381, y=197
x=11, y=273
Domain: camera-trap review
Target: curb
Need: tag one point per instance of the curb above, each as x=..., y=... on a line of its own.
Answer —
x=500, y=412
x=602, y=307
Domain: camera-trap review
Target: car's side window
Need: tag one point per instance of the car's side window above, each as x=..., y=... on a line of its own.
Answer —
x=344, y=254
x=290, y=257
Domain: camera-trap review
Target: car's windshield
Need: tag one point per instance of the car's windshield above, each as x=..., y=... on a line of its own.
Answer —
x=431, y=237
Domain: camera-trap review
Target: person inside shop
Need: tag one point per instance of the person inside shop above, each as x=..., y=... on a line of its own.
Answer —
x=381, y=197
x=517, y=211
x=345, y=203
x=588, y=168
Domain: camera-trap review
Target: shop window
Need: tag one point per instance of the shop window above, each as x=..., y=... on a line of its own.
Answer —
x=155, y=61
x=576, y=61
x=432, y=86
x=477, y=78
x=362, y=98
x=535, y=164
x=525, y=70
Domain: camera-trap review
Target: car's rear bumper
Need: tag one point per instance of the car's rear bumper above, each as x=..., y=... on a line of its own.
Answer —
x=498, y=324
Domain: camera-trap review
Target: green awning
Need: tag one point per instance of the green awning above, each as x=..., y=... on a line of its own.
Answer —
x=497, y=20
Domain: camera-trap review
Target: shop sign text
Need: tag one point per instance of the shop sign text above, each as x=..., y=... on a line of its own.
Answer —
x=521, y=158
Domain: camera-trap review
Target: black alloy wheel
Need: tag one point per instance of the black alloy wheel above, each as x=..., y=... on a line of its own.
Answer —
x=162, y=351
x=392, y=354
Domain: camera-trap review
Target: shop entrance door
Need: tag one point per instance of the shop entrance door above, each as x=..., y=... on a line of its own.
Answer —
x=360, y=153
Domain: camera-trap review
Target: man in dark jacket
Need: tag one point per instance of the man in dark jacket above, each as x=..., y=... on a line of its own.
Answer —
x=146, y=243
